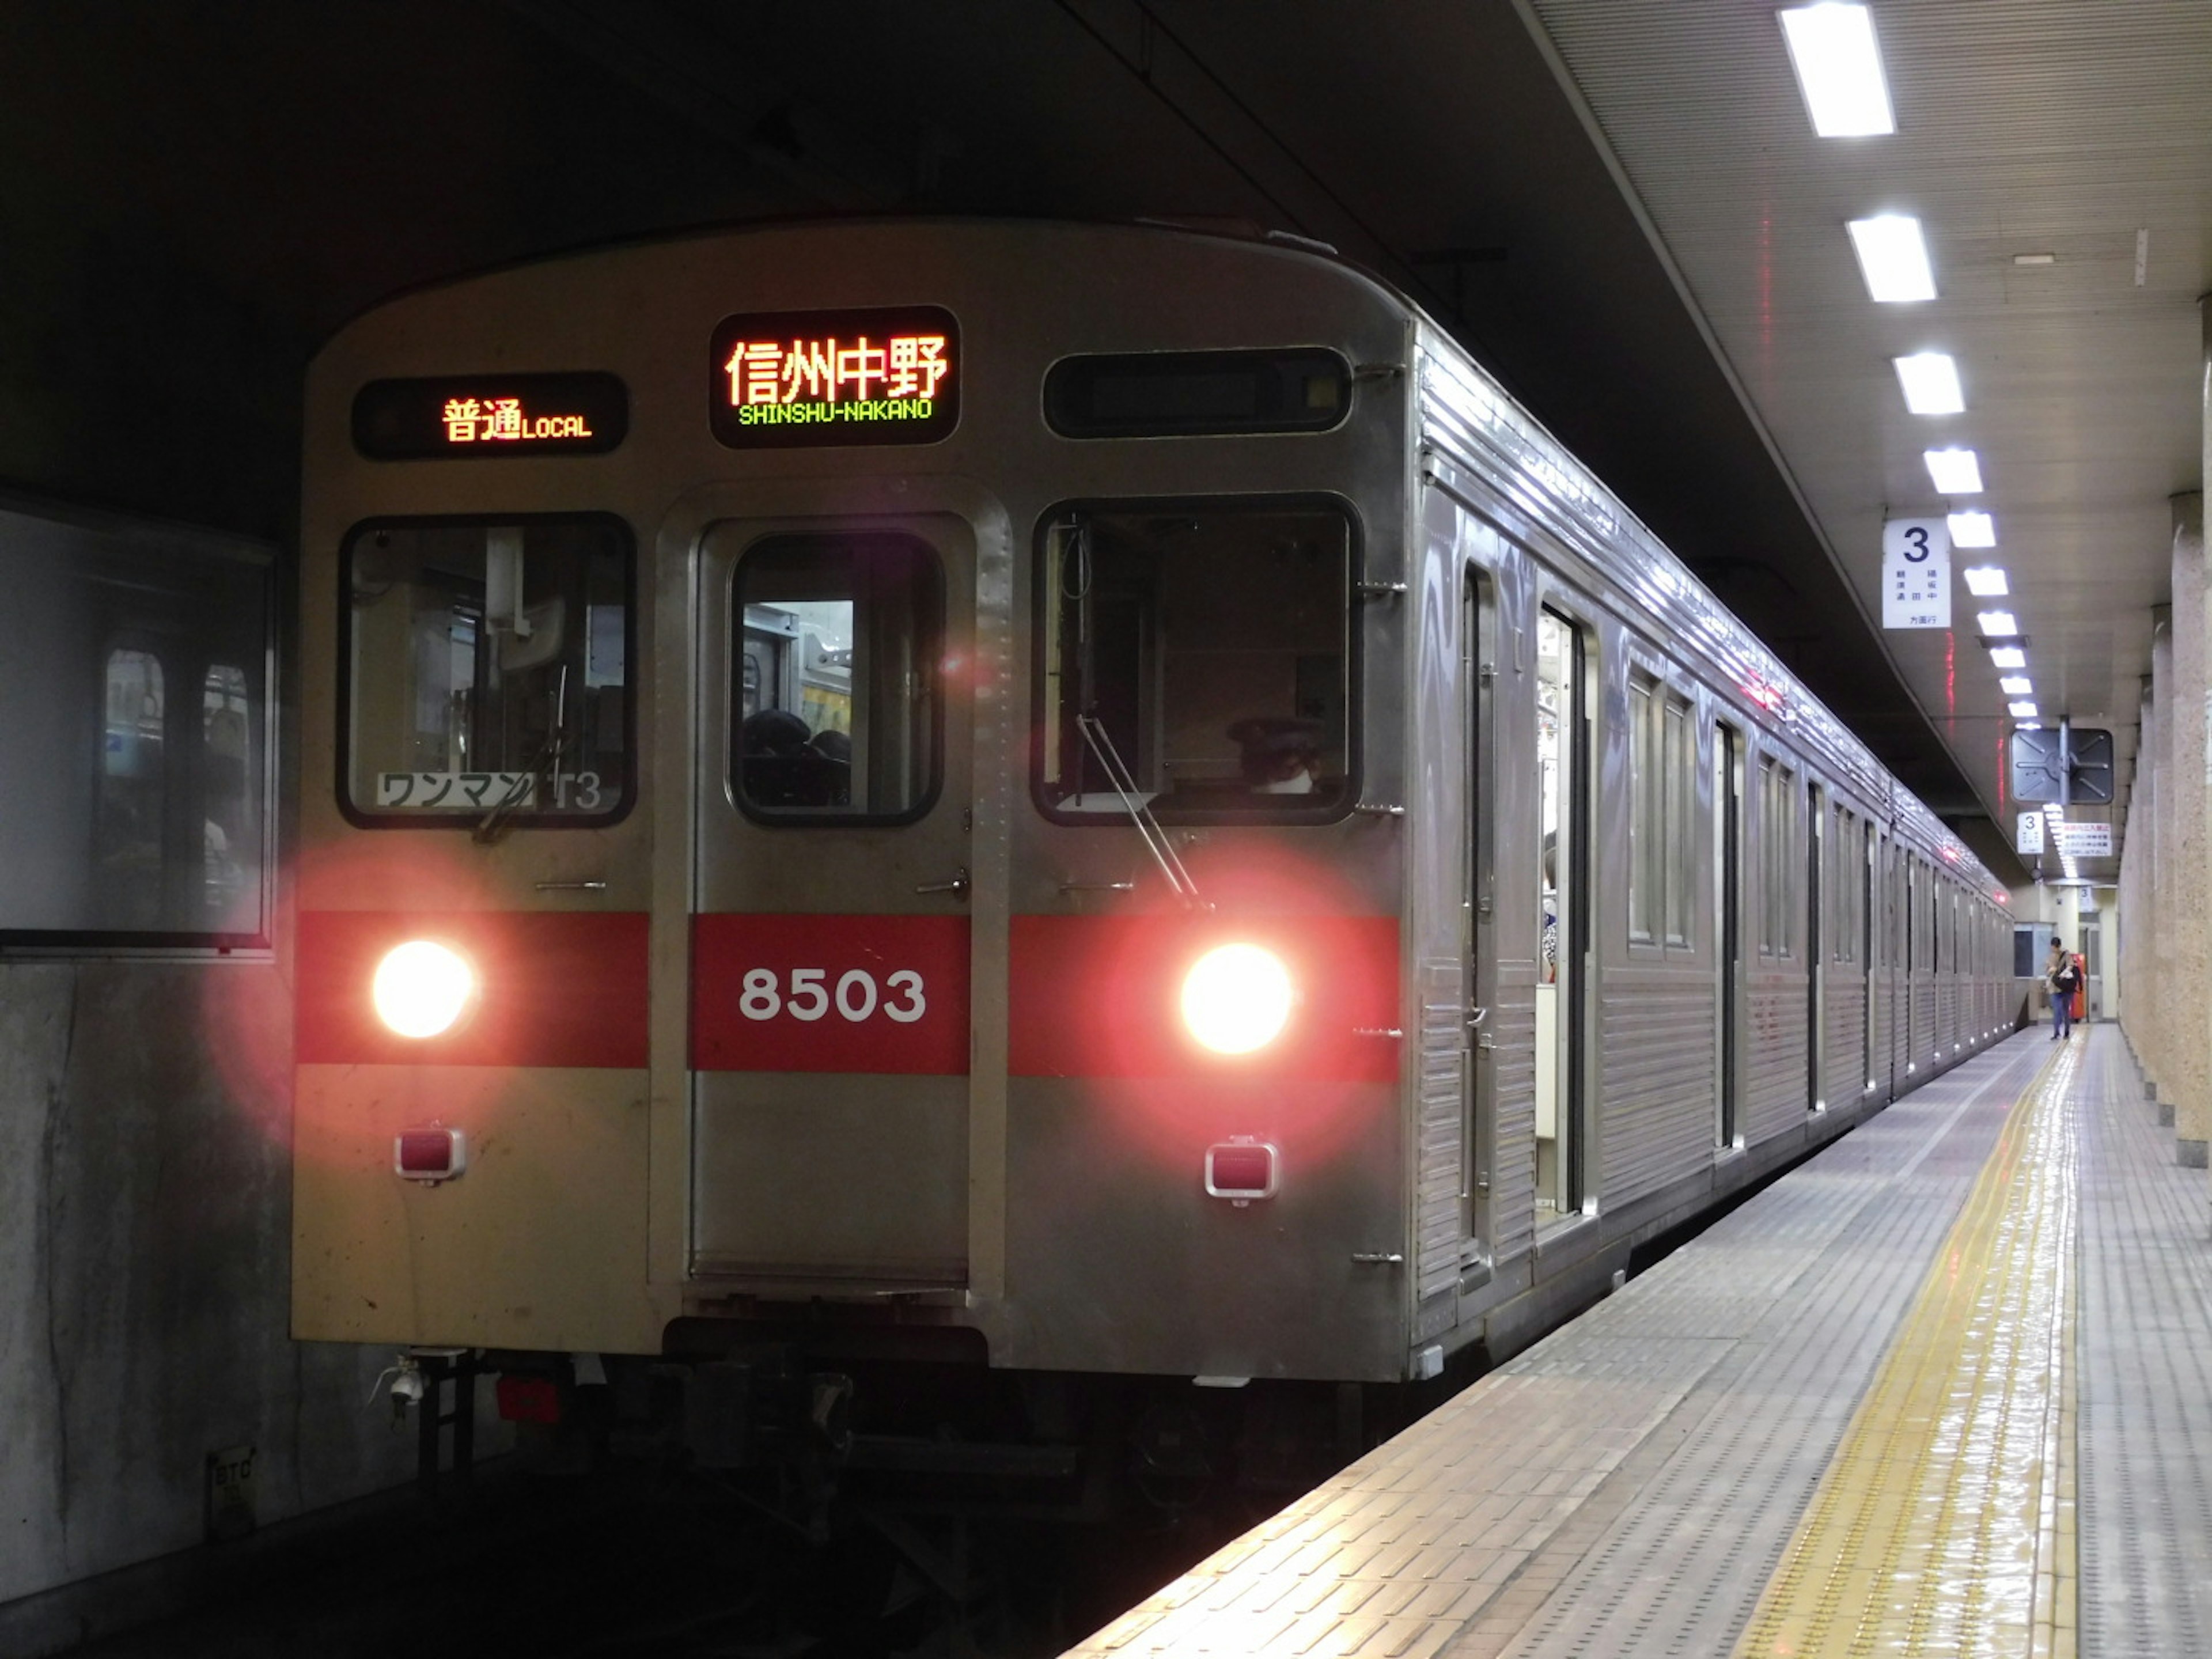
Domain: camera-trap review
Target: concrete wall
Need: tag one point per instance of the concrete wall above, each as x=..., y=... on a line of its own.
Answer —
x=145, y=1226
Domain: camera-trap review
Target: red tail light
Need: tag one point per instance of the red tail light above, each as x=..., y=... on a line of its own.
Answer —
x=529, y=1400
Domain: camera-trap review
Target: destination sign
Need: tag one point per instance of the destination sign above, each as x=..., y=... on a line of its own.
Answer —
x=789, y=379
x=483, y=416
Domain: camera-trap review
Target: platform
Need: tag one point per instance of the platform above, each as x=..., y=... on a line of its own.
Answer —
x=1946, y=1388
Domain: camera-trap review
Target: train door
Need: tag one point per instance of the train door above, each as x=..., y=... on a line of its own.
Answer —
x=1910, y=979
x=831, y=946
x=1870, y=865
x=1728, y=924
x=1478, y=1131
x=1563, y=918
x=1816, y=947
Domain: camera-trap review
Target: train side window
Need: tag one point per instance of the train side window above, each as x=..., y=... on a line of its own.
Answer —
x=1198, y=657
x=840, y=714
x=1778, y=835
x=1681, y=747
x=488, y=673
x=1646, y=867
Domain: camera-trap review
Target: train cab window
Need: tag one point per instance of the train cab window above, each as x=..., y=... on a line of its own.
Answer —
x=838, y=715
x=488, y=672
x=1196, y=660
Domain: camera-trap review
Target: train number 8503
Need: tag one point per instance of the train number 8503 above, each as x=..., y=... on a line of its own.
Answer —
x=856, y=998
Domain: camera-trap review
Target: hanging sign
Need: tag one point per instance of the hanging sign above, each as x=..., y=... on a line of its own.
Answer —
x=2082, y=841
x=1915, y=573
x=2029, y=840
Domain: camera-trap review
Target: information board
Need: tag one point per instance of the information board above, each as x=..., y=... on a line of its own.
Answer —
x=1915, y=573
x=788, y=380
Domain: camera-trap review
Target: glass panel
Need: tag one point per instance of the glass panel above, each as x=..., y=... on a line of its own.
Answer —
x=489, y=671
x=1206, y=653
x=841, y=639
x=142, y=817
x=1643, y=814
x=230, y=836
x=1560, y=795
x=133, y=791
x=1681, y=768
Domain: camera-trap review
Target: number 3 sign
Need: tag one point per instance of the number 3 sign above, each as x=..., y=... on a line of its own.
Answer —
x=1915, y=573
x=829, y=993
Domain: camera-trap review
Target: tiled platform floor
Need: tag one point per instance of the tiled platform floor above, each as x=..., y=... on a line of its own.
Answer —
x=1634, y=1484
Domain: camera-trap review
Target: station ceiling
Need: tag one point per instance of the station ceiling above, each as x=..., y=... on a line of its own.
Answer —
x=1620, y=207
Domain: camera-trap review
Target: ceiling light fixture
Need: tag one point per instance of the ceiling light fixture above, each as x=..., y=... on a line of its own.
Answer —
x=2025, y=711
x=2035, y=258
x=2009, y=656
x=1838, y=64
x=2016, y=685
x=1931, y=379
x=1954, y=471
x=1973, y=530
x=1985, y=581
x=1996, y=624
x=1893, y=258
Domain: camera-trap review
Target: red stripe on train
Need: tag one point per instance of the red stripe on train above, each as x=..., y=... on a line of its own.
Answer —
x=782, y=993
x=559, y=988
x=1101, y=996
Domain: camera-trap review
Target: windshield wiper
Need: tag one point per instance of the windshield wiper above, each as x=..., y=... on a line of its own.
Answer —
x=1140, y=812
x=541, y=769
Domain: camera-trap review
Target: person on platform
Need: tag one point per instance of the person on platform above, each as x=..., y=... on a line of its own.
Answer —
x=2064, y=979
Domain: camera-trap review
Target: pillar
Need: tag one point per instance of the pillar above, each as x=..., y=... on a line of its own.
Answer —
x=2189, y=1034
x=2158, y=1057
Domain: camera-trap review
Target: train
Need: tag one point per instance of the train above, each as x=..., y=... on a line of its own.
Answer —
x=1070, y=811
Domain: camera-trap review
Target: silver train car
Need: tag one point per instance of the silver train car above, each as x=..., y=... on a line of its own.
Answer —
x=1061, y=800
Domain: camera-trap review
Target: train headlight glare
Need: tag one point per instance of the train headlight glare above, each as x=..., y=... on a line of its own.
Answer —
x=1237, y=998
x=422, y=988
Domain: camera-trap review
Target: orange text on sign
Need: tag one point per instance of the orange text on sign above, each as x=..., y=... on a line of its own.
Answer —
x=828, y=371
x=503, y=419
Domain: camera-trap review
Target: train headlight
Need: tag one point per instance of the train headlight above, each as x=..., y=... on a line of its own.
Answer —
x=423, y=989
x=1237, y=998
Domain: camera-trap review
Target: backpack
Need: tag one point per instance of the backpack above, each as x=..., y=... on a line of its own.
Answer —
x=2067, y=977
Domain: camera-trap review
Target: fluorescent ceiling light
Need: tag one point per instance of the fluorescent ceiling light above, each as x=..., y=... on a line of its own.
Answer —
x=1984, y=581
x=1931, y=379
x=2021, y=710
x=1973, y=530
x=1955, y=471
x=1893, y=257
x=1832, y=47
x=2009, y=656
x=1996, y=624
x=2016, y=685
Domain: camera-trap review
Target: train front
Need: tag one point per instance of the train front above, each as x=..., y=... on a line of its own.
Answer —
x=855, y=812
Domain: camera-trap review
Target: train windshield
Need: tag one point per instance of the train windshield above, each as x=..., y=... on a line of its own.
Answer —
x=489, y=671
x=837, y=714
x=1197, y=660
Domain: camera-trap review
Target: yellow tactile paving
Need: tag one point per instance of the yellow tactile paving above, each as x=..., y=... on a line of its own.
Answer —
x=1945, y=1524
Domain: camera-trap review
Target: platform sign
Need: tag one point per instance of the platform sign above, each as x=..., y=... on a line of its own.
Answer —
x=2028, y=840
x=2082, y=841
x=1915, y=573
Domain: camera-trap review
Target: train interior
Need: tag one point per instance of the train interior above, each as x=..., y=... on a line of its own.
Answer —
x=1198, y=660
x=1560, y=794
x=836, y=688
x=489, y=667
